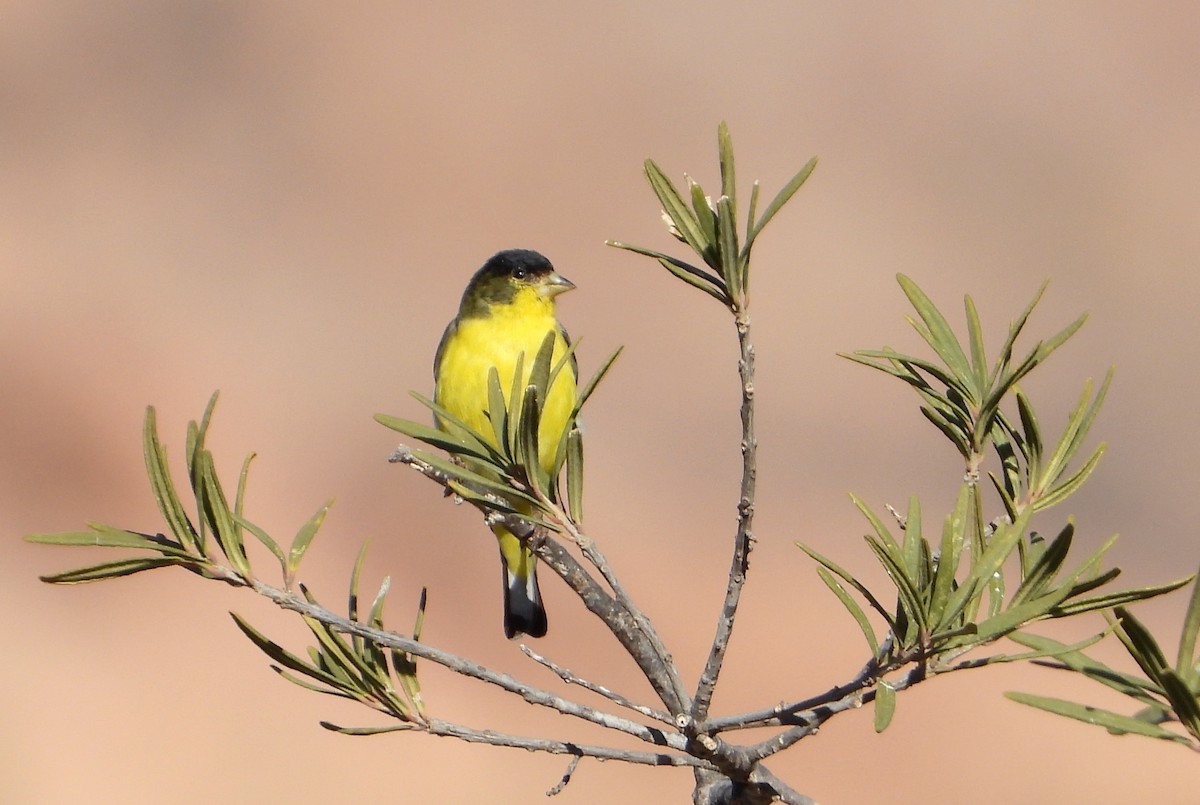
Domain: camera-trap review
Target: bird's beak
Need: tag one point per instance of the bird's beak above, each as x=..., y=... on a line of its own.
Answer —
x=556, y=283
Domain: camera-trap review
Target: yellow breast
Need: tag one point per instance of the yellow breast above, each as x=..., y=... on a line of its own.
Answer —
x=496, y=340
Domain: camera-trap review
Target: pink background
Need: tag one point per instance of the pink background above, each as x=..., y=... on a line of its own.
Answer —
x=284, y=201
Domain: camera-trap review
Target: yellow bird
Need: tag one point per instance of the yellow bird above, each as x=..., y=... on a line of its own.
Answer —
x=506, y=310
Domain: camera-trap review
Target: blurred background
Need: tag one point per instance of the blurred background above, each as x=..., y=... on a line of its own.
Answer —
x=284, y=202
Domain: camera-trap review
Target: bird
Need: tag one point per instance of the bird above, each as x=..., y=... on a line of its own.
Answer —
x=507, y=310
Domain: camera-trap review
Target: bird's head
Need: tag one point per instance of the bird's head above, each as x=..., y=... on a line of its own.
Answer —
x=510, y=275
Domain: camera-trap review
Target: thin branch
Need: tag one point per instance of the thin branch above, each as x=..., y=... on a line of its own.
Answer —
x=566, y=778
x=447, y=729
x=460, y=665
x=568, y=676
x=793, y=713
x=591, y=552
x=743, y=541
x=813, y=718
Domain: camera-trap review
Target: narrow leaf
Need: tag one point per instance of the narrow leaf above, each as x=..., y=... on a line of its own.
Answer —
x=783, y=197
x=710, y=283
x=975, y=339
x=853, y=582
x=163, y=487
x=675, y=208
x=112, y=570
x=852, y=607
x=938, y=334
x=885, y=705
x=305, y=535
x=575, y=474
x=1092, y=715
x=1185, y=665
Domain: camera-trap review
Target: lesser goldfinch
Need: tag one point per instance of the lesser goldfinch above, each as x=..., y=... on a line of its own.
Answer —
x=506, y=310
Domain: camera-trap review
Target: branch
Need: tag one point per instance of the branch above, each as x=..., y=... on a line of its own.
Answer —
x=568, y=676
x=626, y=622
x=662, y=657
x=447, y=729
x=743, y=541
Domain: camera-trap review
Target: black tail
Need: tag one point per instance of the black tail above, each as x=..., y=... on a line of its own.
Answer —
x=523, y=610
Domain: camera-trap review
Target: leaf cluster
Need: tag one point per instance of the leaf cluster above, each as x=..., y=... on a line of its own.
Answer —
x=352, y=667
x=499, y=469
x=1165, y=692
x=711, y=229
x=951, y=589
x=212, y=543
x=962, y=397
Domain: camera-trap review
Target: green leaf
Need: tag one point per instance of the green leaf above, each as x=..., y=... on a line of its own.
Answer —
x=112, y=570
x=853, y=582
x=1185, y=666
x=470, y=477
x=704, y=213
x=215, y=509
x=104, y=536
x=1141, y=645
x=885, y=705
x=711, y=284
x=783, y=197
x=754, y=188
x=355, y=575
x=1014, y=330
x=1058, y=339
x=913, y=549
x=239, y=500
x=513, y=407
x=1043, y=653
x=731, y=266
x=1118, y=598
x=575, y=474
x=675, y=208
x=460, y=428
x=265, y=538
x=1032, y=434
x=975, y=338
x=905, y=589
x=527, y=439
x=952, y=431
x=339, y=659
x=366, y=730
x=1183, y=701
x=282, y=655
x=1047, y=565
x=949, y=554
x=497, y=409
x=586, y=392
x=1069, y=486
x=938, y=334
x=852, y=607
x=1078, y=424
x=905, y=366
x=1092, y=715
x=539, y=372
x=1075, y=660
x=985, y=566
x=163, y=488
x=406, y=663
x=728, y=175
x=1017, y=616
x=458, y=443
x=304, y=537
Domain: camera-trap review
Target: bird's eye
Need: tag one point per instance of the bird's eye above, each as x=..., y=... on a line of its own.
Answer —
x=519, y=273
